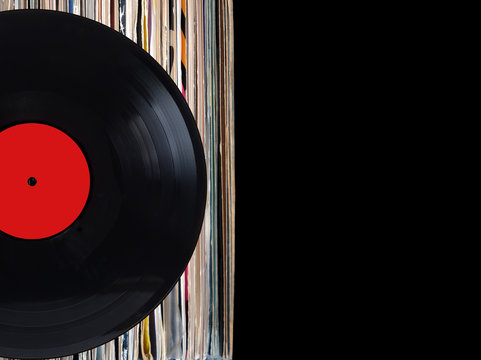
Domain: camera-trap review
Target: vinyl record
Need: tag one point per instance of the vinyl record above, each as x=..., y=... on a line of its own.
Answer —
x=102, y=184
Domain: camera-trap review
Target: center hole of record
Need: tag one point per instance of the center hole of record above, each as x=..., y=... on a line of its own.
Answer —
x=32, y=181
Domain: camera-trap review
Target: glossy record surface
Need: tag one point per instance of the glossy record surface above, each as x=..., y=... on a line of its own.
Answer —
x=108, y=270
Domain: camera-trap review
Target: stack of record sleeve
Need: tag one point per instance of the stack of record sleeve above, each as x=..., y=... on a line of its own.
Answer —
x=193, y=41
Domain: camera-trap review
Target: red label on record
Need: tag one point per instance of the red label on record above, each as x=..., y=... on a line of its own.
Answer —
x=44, y=181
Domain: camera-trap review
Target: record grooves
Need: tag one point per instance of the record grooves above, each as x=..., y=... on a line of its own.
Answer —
x=136, y=200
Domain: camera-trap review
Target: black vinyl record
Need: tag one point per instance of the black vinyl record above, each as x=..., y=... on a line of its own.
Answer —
x=100, y=149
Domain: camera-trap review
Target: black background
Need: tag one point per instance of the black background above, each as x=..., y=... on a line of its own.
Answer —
x=244, y=115
x=257, y=305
